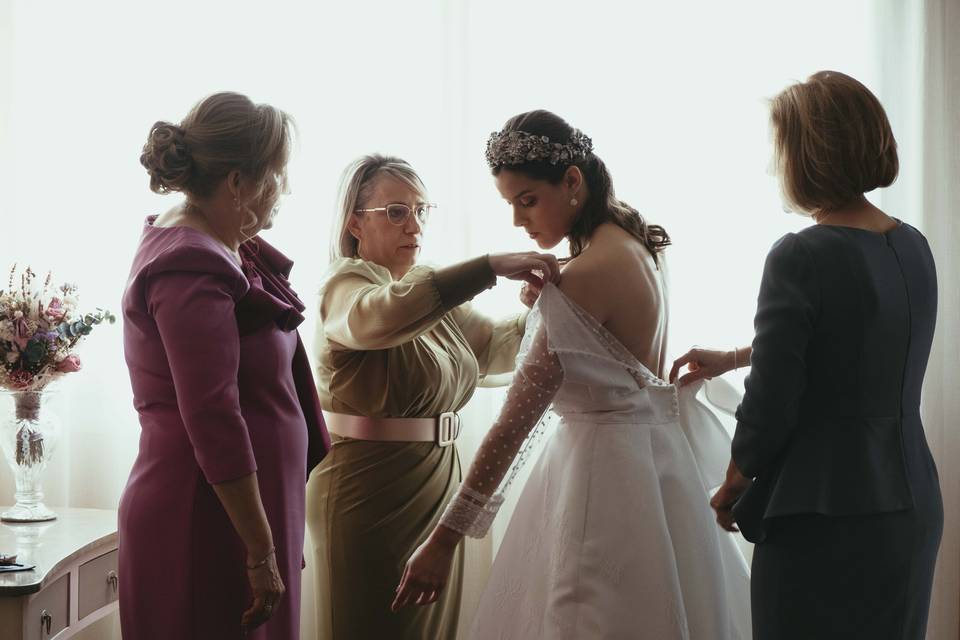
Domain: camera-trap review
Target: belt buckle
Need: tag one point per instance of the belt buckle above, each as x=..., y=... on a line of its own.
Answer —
x=448, y=428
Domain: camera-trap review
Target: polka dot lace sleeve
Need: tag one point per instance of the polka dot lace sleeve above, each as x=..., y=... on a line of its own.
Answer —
x=504, y=449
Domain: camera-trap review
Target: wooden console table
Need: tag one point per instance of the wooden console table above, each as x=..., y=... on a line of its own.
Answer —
x=75, y=582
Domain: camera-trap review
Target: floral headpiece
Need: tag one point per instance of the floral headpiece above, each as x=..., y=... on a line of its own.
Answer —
x=519, y=147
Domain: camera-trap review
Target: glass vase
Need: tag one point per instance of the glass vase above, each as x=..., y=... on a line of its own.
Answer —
x=29, y=433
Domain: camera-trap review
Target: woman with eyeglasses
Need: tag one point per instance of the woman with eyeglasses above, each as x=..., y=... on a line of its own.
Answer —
x=399, y=352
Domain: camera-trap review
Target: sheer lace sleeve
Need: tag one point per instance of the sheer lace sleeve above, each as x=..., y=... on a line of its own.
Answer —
x=536, y=382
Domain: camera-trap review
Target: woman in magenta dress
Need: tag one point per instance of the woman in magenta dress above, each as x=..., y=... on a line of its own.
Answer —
x=212, y=518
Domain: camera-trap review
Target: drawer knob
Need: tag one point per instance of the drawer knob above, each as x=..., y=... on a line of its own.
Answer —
x=46, y=621
x=113, y=580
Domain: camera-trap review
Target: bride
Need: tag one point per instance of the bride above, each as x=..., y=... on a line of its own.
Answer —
x=612, y=536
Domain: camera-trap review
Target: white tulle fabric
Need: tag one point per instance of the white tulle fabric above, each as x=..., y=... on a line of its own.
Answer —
x=612, y=536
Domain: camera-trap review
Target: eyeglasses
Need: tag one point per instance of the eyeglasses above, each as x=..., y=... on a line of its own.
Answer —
x=398, y=213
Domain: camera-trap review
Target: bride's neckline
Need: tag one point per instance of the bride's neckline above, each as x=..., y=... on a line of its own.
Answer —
x=617, y=348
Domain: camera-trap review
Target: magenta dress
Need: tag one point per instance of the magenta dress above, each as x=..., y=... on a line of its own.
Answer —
x=223, y=387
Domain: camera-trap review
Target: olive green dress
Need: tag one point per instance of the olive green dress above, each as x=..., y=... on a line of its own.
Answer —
x=394, y=348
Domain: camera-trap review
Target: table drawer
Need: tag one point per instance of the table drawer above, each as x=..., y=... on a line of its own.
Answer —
x=48, y=612
x=98, y=583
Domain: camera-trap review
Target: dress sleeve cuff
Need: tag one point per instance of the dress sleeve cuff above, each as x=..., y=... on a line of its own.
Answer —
x=459, y=283
x=230, y=468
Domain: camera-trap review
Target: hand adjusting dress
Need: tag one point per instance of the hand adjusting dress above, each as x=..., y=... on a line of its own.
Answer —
x=845, y=507
x=407, y=348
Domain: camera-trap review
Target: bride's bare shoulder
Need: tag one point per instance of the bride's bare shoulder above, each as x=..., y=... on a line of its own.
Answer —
x=590, y=278
x=609, y=268
x=578, y=282
x=610, y=250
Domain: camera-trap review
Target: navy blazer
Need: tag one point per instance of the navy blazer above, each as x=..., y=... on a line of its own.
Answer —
x=844, y=325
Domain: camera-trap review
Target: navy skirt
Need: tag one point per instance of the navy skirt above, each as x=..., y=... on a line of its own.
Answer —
x=853, y=577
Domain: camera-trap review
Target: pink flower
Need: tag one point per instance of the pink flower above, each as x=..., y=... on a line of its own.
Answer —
x=55, y=310
x=69, y=364
x=20, y=378
x=21, y=333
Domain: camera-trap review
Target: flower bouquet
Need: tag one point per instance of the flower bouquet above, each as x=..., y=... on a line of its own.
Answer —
x=40, y=328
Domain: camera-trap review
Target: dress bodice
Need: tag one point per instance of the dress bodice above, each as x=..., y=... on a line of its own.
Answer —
x=602, y=381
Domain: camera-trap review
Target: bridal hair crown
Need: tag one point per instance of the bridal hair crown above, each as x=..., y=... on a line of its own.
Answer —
x=519, y=147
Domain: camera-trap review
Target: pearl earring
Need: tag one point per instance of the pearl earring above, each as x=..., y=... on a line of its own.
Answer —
x=574, y=202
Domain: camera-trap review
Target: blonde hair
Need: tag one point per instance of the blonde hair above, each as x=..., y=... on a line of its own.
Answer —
x=833, y=142
x=356, y=187
x=221, y=133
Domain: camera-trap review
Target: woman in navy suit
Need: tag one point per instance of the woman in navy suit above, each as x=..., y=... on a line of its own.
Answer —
x=831, y=475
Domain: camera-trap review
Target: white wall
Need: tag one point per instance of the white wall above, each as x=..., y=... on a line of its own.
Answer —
x=6, y=102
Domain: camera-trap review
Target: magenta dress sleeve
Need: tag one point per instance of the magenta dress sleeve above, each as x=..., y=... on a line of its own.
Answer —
x=195, y=315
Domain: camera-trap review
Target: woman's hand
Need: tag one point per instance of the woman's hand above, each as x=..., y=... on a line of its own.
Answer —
x=241, y=500
x=427, y=570
x=267, y=588
x=530, y=293
x=522, y=266
x=727, y=495
x=703, y=364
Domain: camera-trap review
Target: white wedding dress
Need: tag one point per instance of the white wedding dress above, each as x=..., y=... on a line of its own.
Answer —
x=613, y=535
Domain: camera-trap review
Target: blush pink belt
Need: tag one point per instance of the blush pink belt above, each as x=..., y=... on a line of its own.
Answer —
x=443, y=429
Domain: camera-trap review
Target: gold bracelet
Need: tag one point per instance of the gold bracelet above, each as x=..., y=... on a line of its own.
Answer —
x=251, y=567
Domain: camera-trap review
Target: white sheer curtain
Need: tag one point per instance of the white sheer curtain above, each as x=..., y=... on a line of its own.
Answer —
x=920, y=85
x=672, y=94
